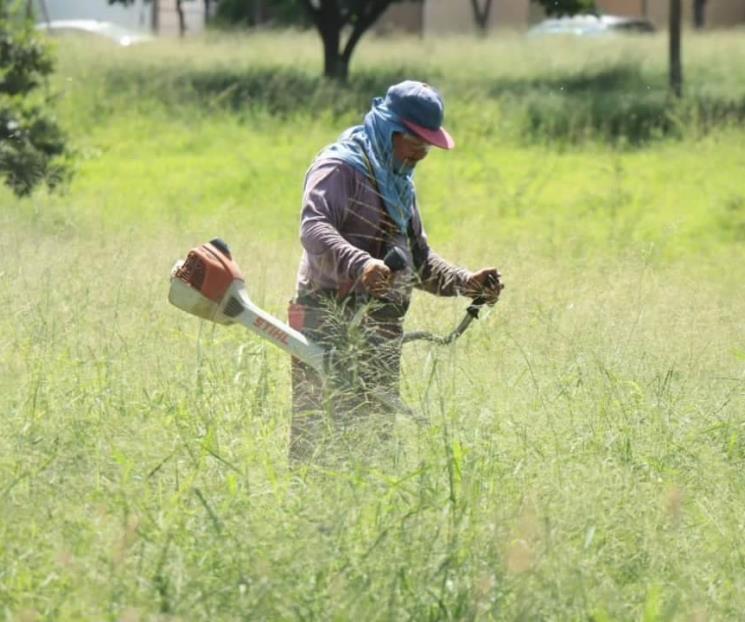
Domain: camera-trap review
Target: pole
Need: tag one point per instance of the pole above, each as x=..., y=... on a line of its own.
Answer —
x=676, y=66
x=155, y=17
x=44, y=10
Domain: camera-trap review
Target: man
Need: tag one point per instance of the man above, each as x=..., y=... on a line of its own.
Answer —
x=359, y=202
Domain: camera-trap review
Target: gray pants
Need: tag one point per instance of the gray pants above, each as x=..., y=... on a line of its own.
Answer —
x=364, y=339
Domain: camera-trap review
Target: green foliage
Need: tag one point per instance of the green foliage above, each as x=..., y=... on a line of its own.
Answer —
x=258, y=12
x=585, y=455
x=341, y=25
x=31, y=142
x=570, y=91
x=24, y=60
x=567, y=7
x=281, y=91
x=586, y=436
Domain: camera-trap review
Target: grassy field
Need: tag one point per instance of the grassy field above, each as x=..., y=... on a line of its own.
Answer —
x=587, y=441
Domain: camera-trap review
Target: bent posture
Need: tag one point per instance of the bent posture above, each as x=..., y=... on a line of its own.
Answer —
x=359, y=202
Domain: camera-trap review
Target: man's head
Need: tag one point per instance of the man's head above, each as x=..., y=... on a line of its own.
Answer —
x=409, y=149
x=420, y=109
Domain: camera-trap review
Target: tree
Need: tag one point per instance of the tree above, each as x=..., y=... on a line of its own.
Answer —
x=181, y=18
x=331, y=18
x=32, y=145
x=567, y=7
x=481, y=14
x=699, y=13
x=676, y=65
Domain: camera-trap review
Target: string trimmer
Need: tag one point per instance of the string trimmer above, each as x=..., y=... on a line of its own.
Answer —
x=209, y=284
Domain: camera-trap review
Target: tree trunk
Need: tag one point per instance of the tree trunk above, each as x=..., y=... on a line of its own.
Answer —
x=256, y=13
x=334, y=65
x=155, y=17
x=699, y=16
x=364, y=21
x=481, y=16
x=330, y=19
x=181, y=18
x=676, y=66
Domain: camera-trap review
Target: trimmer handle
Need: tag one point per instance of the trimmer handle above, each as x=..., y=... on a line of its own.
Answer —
x=395, y=259
x=478, y=302
x=475, y=306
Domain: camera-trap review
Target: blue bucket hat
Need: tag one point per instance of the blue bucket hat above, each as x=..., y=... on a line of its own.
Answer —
x=421, y=110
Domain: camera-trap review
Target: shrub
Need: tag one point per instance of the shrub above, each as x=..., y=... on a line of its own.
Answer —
x=31, y=142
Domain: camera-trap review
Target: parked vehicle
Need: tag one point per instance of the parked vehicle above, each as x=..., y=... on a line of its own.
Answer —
x=592, y=26
x=94, y=28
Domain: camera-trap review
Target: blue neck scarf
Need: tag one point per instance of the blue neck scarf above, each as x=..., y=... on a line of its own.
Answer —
x=369, y=149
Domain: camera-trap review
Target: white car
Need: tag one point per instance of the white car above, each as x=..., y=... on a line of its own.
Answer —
x=106, y=30
x=592, y=26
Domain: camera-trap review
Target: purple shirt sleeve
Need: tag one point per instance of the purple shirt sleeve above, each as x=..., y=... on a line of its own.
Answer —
x=344, y=224
x=329, y=190
x=436, y=275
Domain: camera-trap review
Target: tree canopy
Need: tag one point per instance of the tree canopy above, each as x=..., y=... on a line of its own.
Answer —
x=334, y=18
x=567, y=7
x=258, y=12
x=31, y=142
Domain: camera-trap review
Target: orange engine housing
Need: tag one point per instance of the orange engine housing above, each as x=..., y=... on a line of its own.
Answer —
x=209, y=271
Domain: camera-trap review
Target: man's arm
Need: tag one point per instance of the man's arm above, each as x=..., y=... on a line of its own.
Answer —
x=436, y=275
x=439, y=277
x=328, y=190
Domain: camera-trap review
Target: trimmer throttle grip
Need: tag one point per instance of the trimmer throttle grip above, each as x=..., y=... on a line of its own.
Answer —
x=475, y=306
x=222, y=246
x=395, y=259
x=492, y=280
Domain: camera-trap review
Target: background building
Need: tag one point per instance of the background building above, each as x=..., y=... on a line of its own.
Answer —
x=437, y=17
x=717, y=13
x=160, y=15
x=429, y=17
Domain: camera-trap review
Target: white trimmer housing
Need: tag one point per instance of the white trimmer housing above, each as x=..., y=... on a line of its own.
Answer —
x=209, y=284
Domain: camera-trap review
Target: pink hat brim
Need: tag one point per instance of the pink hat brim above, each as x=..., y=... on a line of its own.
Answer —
x=439, y=138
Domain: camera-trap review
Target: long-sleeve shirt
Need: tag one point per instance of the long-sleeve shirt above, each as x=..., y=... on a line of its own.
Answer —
x=344, y=223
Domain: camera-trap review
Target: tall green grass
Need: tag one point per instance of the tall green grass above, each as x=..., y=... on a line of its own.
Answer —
x=584, y=456
x=585, y=453
x=543, y=90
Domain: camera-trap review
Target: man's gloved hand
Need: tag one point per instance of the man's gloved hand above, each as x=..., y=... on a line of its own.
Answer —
x=485, y=283
x=376, y=277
